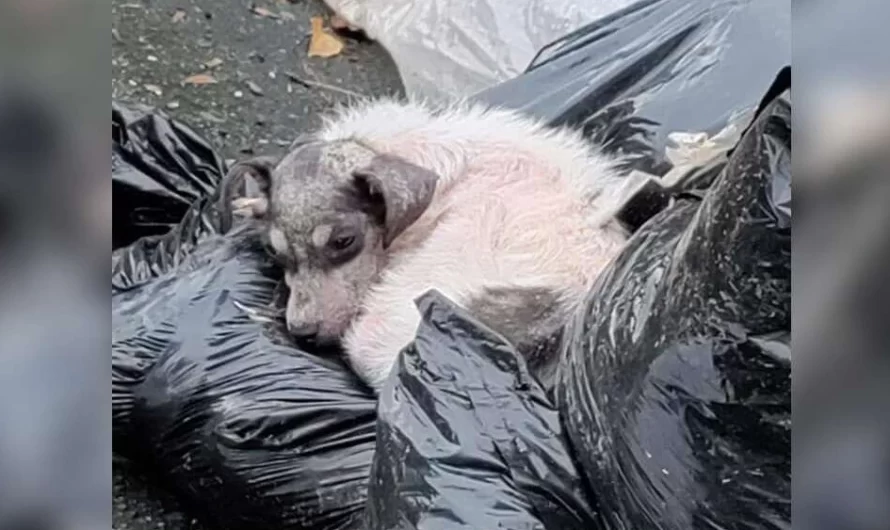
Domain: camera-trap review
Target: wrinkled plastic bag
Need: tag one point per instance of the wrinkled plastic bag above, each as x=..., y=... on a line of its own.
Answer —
x=467, y=438
x=252, y=431
x=668, y=85
x=207, y=387
x=159, y=168
x=445, y=48
x=677, y=388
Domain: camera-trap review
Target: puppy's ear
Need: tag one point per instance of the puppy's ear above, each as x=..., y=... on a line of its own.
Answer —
x=397, y=190
x=232, y=189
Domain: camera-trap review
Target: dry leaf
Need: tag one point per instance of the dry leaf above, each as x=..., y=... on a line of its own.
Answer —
x=322, y=43
x=213, y=63
x=199, y=79
x=178, y=16
x=262, y=11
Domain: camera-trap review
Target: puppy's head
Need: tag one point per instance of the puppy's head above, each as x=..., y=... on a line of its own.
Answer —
x=330, y=212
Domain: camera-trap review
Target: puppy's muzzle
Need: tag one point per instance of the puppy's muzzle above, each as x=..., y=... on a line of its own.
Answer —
x=303, y=331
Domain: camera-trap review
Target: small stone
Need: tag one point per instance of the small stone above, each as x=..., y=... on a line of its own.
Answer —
x=209, y=116
x=132, y=83
x=272, y=75
x=173, y=105
x=155, y=89
x=152, y=58
x=255, y=88
x=239, y=94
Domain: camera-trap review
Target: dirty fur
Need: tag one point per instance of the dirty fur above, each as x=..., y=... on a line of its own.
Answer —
x=507, y=217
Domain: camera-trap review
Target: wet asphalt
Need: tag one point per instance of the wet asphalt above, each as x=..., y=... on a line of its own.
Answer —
x=264, y=91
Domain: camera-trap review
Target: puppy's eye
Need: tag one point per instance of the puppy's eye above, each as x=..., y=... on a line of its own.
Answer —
x=342, y=242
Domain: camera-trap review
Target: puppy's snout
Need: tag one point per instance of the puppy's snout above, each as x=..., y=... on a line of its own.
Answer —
x=303, y=330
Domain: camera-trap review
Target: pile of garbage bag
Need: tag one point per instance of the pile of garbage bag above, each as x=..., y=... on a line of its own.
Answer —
x=671, y=406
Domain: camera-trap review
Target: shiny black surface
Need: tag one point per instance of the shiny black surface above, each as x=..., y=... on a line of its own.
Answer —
x=679, y=354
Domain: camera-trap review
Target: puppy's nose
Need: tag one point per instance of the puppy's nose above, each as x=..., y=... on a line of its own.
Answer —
x=303, y=330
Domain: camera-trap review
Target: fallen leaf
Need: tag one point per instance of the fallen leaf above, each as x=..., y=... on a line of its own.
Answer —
x=178, y=16
x=199, y=79
x=213, y=63
x=322, y=43
x=262, y=11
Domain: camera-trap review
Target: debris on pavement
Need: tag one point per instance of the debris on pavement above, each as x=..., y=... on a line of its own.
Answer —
x=308, y=83
x=263, y=12
x=254, y=88
x=322, y=43
x=155, y=89
x=199, y=79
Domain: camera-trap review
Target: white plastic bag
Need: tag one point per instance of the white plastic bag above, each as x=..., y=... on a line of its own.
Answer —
x=459, y=47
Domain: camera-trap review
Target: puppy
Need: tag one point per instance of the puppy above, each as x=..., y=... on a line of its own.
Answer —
x=508, y=218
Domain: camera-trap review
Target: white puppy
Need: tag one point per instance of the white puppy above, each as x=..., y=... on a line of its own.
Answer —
x=507, y=217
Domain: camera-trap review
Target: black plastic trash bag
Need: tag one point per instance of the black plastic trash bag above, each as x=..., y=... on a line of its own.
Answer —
x=159, y=168
x=677, y=388
x=656, y=73
x=467, y=438
x=654, y=68
x=252, y=431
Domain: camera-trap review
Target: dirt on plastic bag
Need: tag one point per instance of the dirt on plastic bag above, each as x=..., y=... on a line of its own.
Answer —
x=251, y=431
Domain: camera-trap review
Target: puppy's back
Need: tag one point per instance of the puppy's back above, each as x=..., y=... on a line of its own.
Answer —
x=519, y=227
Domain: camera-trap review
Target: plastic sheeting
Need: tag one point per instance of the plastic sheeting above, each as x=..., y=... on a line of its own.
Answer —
x=668, y=84
x=159, y=169
x=456, y=48
x=252, y=431
x=467, y=438
x=677, y=387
